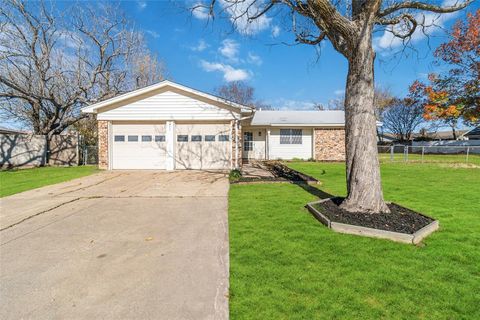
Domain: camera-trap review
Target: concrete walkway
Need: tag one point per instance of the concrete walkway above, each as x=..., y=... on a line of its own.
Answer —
x=117, y=245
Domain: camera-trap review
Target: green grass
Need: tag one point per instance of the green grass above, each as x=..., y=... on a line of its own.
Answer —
x=15, y=181
x=285, y=265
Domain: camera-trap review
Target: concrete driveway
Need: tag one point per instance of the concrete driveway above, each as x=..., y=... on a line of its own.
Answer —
x=117, y=245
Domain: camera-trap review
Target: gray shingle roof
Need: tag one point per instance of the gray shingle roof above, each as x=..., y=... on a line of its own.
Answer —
x=307, y=118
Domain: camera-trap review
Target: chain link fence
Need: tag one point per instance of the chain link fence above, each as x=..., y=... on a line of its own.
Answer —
x=430, y=154
x=88, y=155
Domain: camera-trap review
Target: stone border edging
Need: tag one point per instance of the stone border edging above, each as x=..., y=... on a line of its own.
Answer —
x=414, y=238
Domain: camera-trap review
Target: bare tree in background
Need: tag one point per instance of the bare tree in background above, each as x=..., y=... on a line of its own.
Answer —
x=53, y=63
x=382, y=98
x=402, y=117
x=242, y=93
x=349, y=26
x=237, y=91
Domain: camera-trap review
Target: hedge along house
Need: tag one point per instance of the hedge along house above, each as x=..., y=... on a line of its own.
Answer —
x=169, y=126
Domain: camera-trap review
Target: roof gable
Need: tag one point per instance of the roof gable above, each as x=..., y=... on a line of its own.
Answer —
x=158, y=88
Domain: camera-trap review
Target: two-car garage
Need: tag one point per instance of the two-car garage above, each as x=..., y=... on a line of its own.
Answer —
x=186, y=146
x=168, y=126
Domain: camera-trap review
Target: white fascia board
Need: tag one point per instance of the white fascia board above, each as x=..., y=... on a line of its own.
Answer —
x=94, y=107
x=307, y=125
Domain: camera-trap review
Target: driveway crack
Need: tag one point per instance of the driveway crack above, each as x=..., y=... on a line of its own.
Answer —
x=39, y=213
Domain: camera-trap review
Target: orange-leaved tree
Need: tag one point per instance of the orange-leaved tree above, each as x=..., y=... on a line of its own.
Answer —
x=455, y=94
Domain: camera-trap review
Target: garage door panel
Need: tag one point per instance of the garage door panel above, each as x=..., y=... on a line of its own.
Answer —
x=140, y=154
x=202, y=154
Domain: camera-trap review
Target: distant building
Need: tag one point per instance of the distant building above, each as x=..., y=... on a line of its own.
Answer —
x=4, y=130
x=473, y=134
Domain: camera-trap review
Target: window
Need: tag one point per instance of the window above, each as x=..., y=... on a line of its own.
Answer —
x=146, y=138
x=248, y=141
x=209, y=138
x=290, y=136
x=223, y=138
x=132, y=138
x=119, y=138
x=196, y=138
x=182, y=138
x=160, y=138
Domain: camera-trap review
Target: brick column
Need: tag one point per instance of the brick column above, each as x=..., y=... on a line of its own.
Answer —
x=329, y=144
x=102, y=144
x=237, y=144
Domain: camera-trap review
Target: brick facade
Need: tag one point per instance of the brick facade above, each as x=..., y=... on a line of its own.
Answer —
x=102, y=144
x=329, y=144
x=237, y=144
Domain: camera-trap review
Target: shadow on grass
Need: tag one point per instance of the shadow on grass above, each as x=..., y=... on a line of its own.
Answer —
x=313, y=191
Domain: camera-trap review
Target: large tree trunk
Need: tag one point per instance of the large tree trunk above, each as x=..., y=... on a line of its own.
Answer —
x=363, y=171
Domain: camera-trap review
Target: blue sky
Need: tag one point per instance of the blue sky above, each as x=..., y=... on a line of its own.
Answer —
x=205, y=54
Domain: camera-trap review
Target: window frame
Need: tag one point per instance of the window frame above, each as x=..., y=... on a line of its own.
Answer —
x=223, y=138
x=291, y=136
x=159, y=138
x=211, y=138
x=122, y=136
x=147, y=137
x=196, y=138
x=132, y=136
x=182, y=135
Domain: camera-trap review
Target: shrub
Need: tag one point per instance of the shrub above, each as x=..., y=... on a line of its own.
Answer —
x=235, y=175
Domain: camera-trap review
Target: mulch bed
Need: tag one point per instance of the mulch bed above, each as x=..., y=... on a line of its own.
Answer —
x=281, y=173
x=401, y=219
x=280, y=170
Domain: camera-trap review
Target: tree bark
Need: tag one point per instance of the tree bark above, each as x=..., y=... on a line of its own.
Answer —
x=363, y=171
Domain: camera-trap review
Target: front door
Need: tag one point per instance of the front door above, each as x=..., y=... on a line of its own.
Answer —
x=247, y=144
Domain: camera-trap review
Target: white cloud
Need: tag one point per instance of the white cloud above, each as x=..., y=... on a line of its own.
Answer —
x=200, y=11
x=339, y=92
x=229, y=49
x=229, y=73
x=202, y=45
x=152, y=33
x=433, y=22
x=141, y=5
x=237, y=10
x=275, y=31
x=254, y=59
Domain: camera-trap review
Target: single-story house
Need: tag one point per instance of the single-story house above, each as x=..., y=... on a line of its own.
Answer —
x=171, y=126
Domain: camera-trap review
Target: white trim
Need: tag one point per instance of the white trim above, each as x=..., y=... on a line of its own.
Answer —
x=268, y=145
x=110, y=145
x=313, y=143
x=339, y=125
x=166, y=83
x=231, y=145
x=236, y=144
x=170, y=140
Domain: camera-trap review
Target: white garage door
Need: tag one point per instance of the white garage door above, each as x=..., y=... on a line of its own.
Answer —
x=138, y=146
x=202, y=146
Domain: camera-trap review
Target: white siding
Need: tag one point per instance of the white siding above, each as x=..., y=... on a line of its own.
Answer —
x=290, y=151
x=258, y=151
x=167, y=105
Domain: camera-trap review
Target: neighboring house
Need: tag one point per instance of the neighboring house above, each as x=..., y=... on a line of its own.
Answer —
x=473, y=134
x=170, y=126
x=4, y=130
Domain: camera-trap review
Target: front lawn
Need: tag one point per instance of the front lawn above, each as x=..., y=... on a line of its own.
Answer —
x=285, y=265
x=15, y=181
